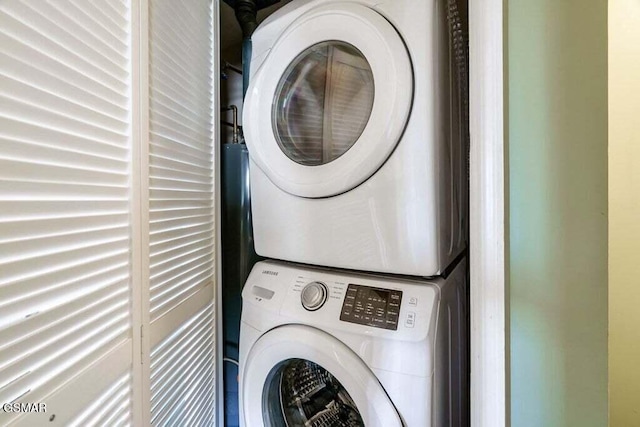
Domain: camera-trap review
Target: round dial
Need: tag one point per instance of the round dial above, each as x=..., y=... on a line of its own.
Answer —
x=314, y=296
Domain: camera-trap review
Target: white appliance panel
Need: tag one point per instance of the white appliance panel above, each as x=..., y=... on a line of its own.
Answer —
x=394, y=204
x=424, y=355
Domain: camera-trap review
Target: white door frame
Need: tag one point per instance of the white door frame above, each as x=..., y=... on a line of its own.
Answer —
x=488, y=238
x=489, y=331
x=217, y=318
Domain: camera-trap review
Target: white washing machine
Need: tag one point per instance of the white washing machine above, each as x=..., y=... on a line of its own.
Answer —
x=321, y=348
x=356, y=137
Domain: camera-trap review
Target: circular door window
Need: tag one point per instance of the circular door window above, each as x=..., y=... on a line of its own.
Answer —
x=329, y=100
x=323, y=103
x=302, y=393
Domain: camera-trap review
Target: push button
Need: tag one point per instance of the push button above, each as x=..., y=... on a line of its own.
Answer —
x=410, y=321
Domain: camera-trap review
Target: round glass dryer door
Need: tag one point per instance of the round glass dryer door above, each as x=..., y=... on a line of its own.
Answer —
x=323, y=103
x=330, y=101
x=296, y=375
x=302, y=393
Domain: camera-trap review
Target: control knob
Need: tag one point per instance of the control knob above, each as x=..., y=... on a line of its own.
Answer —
x=314, y=295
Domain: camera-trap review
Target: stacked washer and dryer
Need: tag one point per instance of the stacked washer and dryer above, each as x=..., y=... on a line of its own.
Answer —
x=356, y=125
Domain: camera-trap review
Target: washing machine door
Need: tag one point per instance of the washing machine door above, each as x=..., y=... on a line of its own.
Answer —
x=330, y=101
x=300, y=376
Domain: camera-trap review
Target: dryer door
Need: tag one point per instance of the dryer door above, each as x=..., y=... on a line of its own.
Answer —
x=300, y=376
x=330, y=101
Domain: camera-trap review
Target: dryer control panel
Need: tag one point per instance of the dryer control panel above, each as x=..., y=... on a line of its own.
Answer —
x=376, y=307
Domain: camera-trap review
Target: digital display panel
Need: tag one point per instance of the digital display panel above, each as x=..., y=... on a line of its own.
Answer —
x=366, y=305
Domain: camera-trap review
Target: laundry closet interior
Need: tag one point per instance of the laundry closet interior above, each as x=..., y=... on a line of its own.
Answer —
x=237, y=212
x=344, y=149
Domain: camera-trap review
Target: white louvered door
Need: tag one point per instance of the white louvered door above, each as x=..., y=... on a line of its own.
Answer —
x=66, y=331
x=181, y=213
x=107, y=297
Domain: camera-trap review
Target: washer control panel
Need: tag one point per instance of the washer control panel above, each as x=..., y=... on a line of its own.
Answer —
x=370, y=306
x=366, y=304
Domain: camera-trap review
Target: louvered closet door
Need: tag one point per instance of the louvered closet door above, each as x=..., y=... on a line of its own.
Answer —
x=181, y=213
x=65, y=211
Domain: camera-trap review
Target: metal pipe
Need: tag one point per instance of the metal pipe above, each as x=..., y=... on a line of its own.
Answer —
x=236, y=133
x=247, y=47
x=226, y=66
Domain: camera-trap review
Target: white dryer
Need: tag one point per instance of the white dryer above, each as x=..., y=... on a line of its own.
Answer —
x=357, y=147
x=321, y=348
